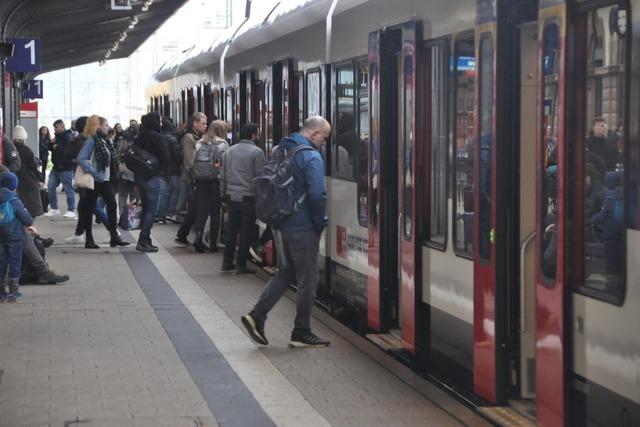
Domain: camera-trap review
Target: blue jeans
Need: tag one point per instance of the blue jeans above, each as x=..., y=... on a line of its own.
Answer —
x=150, y=193
x=10, y=256
x=169, y=199
x=66, y=179
x=163, y=189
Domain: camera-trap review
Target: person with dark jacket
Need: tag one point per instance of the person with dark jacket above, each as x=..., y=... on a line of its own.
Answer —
x=62, y=172
x=12, y=233
x=611, y=218
x=98, y=157
x=149, y=185
x=169, y=198
x=298, y=239
x=11, y=158
x=29, y=188
x=44, y=142
x=126, y=182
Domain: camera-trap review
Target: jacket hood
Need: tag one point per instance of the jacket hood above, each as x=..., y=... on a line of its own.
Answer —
x=6, y=194
x=9, y=180
x=295, y=139
x=168, y=126
x=612, y=180
x=151, y=121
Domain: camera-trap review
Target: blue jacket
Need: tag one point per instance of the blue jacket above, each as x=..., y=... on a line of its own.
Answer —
x=308, y=176
x=14, y=230
x=611, y=226
x=88, y=164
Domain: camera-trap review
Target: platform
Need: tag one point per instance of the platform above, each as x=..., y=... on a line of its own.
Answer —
x=156, y=340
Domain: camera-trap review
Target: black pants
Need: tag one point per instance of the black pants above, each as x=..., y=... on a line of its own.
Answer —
x=208, y=196
x=242, y=216
x=192, y=212
x=44, y=159
x=104, y=189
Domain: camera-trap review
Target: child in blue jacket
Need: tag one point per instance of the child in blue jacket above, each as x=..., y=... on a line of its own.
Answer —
x=14, y=220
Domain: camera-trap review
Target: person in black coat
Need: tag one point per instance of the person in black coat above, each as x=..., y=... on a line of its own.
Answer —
x=44, y=142
x=29, y=187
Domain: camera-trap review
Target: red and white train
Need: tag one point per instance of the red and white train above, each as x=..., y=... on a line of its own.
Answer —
x=483, y=181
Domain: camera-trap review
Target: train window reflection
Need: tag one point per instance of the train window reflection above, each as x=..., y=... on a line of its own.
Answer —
x=465, y=83
x=363, y=140
x=485, y=184
x=313, y=93
x=344, y=143
x=230, y=103
x=604, y=201
x=299, y=88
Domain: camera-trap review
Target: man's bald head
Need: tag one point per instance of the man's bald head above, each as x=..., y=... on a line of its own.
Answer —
x=316, y=129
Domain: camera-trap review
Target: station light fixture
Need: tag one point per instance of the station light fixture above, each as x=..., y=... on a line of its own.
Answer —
x=146, y=5
x=133, y=21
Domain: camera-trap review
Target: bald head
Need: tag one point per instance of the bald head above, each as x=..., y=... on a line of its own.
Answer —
x=316, y=129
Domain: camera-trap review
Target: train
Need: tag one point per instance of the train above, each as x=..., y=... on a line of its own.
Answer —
x=482, y=178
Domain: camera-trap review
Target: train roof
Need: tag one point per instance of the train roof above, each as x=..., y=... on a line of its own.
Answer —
x=285, y=17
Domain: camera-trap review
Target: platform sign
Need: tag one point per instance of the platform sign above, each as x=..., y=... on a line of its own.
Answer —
x=120, y=4
x=26, y=56
x=35, y=89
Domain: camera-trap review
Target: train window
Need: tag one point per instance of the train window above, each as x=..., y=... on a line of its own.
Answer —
x=465, y=83
x=437, y=137
x=178, y=112
x=313, y=93
x=268, y=131
x=216, y=103
x=229, y=109
x=260, y=111
x=485, y=188
x=344, y=145
x=363, y=140
x=285, y=100
x=549, y=135
x=604, y=213
x=299, y=89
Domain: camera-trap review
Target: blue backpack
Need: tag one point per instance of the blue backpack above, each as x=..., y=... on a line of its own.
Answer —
x=274, y=193
x=7, y=215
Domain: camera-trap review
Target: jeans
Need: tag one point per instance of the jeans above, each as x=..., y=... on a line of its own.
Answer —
x=150, y=193
x=208, y=196
x=163, y=189
x=11, y=257
x=66, y=179
x=104, y=189
x=242, y=216
x=169, y=199
x=297, y=263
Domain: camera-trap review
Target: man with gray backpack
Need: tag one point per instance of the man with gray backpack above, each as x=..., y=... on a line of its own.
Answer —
x=294, y=178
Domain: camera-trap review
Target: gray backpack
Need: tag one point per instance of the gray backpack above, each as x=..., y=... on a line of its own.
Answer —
x=206, y=165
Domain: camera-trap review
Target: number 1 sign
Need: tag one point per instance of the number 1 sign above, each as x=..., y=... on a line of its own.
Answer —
x=26, y=56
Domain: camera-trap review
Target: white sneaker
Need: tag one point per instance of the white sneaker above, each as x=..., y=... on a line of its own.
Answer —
x=75, y=239
x=70, y=215
x=53, y=212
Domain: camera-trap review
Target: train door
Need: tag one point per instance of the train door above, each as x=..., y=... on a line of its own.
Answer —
x=391, y=290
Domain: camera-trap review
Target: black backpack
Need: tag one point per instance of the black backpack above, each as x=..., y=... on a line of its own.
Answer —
x=206, y=164
x=274, y=191
x=140, y=161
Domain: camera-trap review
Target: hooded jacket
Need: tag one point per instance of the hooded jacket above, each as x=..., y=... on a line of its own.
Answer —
x=152, y=140
x=29, y=188
x=174, y=163
x=11, y=156
x=15, y=229
x=307, y=170
x=62, y=140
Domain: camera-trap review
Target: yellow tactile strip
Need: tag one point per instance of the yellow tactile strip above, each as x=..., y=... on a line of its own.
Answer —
x=505, y=416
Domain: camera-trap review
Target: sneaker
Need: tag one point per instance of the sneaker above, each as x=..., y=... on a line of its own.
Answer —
x=3, y=296
x=13, y=296
x=227, y=268
x=255, y=329
x=255, y=253
x=53, y=212
x=243, y=270
x=75, y=239
x=70, y=215
x=50, y=277
x=146, y=247
x=162, y=220
x=307, y=339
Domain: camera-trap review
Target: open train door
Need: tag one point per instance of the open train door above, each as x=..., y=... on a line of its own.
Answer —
x=391, y=283
x=551, y=287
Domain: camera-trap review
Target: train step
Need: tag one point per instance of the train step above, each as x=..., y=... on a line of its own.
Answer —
x=388, y=342
x=506, y=416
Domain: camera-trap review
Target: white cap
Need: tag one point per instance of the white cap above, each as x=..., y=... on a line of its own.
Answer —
x=20, y=133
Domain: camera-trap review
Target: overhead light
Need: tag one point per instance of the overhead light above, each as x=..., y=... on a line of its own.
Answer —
x=123, y=36
x=146, y=4
x=133, y=22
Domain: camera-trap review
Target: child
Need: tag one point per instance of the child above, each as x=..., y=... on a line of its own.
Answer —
x=14, y=220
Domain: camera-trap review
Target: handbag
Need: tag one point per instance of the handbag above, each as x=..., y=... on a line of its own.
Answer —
x=81, y=179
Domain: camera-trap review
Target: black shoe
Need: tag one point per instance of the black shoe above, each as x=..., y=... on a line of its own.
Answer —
x=214, y=249
x=182, y=240
x=243, y=270
x=118, y=242
x=91, y=245
x=51, y=278
x=146, y=247
x=255, y=329
x=227, y=268
x=47, y=242
x=197, y=243
x=307, y=339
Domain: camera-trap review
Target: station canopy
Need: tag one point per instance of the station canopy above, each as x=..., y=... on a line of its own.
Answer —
x=76, y=32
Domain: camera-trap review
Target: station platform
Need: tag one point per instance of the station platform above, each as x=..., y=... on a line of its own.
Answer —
x=136, y=339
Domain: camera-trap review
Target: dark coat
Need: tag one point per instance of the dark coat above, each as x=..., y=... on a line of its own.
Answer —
x=11, y=157
x=62, y=140
x=29, y=186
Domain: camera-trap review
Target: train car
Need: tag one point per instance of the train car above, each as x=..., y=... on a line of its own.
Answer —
x=482, y=178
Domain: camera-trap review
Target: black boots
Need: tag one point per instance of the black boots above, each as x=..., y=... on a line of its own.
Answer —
x=198, y=244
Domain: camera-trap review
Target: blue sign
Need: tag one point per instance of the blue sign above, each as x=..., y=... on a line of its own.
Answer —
x=466, y=63
x=35, y=89
x=26, y=56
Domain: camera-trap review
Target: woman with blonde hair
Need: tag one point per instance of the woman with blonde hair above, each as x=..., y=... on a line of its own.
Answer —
x=98, y=157
x=210, y=150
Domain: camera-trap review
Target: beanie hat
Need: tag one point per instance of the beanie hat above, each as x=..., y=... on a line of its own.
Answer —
x=9, y=180
x=20, y=133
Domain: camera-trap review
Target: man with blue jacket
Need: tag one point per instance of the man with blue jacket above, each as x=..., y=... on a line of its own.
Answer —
x=298, y=239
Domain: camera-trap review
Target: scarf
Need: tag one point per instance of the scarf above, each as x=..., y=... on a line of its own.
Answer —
x=104, y=153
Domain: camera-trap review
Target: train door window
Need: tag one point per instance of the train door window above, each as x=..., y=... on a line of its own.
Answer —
x=313, y=93
x=229, y=109
x=485, y=168
x=249, y=116
x=299, y=90
x=464, y=88
x=437, y=142
x=606, y=43
x=268, y=131
x=363, y=141
x=285, y=100
x=344, y=145
x=216, y=104
x=207, y=103
x=178, y=113
x=260, y=111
